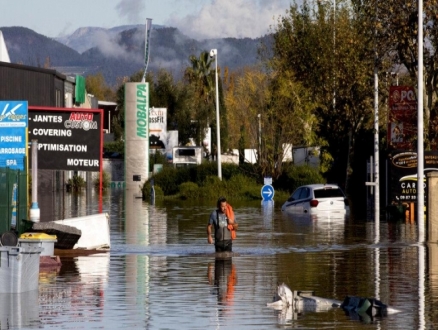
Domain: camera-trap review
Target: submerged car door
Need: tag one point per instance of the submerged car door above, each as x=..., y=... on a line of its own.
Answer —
x=303, y=200
x=293, y=200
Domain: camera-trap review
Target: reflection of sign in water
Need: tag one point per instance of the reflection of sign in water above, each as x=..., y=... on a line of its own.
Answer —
x=117, y=184
x=13, y=143
x=268, y=213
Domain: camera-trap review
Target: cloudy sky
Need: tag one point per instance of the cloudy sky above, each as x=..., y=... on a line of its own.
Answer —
x=200, y=19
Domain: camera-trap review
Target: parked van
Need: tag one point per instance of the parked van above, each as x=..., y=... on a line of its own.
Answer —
x=185, y=156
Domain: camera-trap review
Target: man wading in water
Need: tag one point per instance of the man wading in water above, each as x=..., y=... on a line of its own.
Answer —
x=222, y=220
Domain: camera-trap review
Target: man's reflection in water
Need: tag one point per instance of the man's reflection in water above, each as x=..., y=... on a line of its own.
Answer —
x=224, y=278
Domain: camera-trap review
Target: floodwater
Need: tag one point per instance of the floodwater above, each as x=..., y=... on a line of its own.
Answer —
x=162, y=274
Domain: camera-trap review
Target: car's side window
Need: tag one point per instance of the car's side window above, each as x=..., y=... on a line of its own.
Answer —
x=304, y=193
x=295, y=195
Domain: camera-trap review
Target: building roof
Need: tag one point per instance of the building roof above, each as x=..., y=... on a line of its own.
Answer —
x=107, y=103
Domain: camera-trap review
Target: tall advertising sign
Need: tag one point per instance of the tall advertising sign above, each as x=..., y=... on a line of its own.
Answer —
x=13, y=126
x=402, y=121
x=157, y=128
x=136, y=135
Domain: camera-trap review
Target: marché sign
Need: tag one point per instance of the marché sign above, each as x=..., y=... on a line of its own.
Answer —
x=68, y=139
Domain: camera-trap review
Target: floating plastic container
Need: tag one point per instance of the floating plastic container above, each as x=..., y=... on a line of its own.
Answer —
x=43, y=240
x=19, y=268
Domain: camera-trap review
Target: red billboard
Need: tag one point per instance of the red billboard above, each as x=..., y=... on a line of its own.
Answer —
x=402, y=118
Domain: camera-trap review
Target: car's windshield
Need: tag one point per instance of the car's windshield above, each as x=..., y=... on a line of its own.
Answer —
x=328, y=192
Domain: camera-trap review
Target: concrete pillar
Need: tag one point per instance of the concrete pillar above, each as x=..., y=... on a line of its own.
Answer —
x=432, y=249
x=136, y=136
x=432, y=207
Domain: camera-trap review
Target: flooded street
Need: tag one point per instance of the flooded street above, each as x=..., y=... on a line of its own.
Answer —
x=162, y=274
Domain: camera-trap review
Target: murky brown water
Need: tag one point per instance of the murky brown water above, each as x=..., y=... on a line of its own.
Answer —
x=162, y=274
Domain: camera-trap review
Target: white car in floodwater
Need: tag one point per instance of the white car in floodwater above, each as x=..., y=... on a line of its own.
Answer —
x=317, y=199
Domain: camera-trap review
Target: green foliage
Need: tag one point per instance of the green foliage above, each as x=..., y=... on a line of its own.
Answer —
x=239, y=185
x=236, y=187
x=146, y=192
x=238, y=182
x=326, y=160
x=229, y=171
x=169, y=179
x=189, y=190
x=96, y=85
x=76, y=183
x=331, y=58
x=158, y=158
x=200, y=173
x=212, y=187
x=105, y=181
x=295, y=176
x=200, y=76
x=115, y=146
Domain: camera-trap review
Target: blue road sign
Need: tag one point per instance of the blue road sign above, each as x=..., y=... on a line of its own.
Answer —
x=268, y=192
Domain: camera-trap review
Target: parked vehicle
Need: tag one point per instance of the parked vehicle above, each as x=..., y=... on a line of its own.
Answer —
x=316, y=199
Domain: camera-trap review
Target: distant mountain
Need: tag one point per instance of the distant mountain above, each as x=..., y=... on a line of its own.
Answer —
x=30, y=48
x=87, y=37
x=119, y=52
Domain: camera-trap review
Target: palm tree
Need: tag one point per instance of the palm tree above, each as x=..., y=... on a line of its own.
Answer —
x=201, y=76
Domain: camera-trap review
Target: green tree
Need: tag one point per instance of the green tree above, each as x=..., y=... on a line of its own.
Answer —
x=332, y=58
x=395, y=27
x=274, y=111
x=174, y=97
x=96, y=85
x=247, y=96
x=200, y=77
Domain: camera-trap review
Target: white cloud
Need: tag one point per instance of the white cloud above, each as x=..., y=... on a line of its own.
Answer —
x=111, y=45
x=231, y=18
x=131, y=9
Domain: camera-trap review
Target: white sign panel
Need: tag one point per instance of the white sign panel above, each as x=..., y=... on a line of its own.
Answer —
x=157, y=128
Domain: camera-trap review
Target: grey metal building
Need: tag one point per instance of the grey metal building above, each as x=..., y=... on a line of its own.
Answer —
x=39, y=86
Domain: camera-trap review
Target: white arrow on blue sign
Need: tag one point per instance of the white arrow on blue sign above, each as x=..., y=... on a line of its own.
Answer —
x=268, y=192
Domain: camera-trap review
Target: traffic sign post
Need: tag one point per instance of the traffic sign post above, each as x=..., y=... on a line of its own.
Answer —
x=268, y=192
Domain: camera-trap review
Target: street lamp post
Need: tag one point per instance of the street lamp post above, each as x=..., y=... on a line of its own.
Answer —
x=334, y=51
x=334, y=54
x=213, y=53
x=420, y=126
